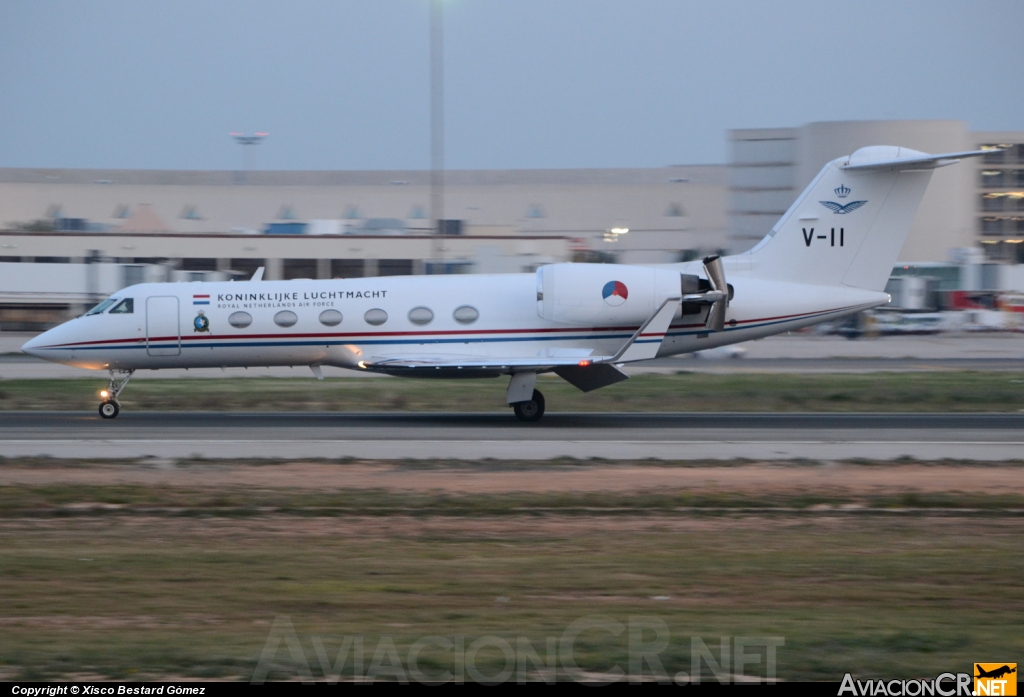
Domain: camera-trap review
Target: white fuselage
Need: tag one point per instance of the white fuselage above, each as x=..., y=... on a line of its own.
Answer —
x=166, y=330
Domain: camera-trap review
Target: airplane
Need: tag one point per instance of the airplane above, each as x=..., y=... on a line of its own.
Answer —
x=996, y=673
x=829, y=256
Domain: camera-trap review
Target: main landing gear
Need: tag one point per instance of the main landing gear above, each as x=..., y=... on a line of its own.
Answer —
x=110, y=407
x=527, y=402
x=530, y=410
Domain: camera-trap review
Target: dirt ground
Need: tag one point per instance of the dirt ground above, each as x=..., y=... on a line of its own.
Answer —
x=495, y=478
x=161, y=568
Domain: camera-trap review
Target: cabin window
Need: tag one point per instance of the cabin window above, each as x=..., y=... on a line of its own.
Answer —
x=330, y=318
x=102, y=306
x=466, y=314
x=241, y=320
x=285, y=318
x=375, y=317
x=125, y=307
x=421, y=315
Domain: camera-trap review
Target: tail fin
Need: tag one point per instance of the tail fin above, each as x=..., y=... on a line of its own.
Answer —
x=848, y=226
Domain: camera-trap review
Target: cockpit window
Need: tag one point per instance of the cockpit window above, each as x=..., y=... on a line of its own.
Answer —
x=102, y=306
x=125, y=307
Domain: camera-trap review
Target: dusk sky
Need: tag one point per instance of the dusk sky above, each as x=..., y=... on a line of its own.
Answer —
x=528, y=83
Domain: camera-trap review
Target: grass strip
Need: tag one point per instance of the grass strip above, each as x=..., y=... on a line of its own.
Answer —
x=880, y=597
x=135, y=500
x=963, y=391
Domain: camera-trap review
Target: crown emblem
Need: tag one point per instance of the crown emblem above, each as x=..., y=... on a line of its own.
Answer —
x=842, y=191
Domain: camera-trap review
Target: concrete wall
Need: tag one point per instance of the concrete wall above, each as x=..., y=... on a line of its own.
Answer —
x=761, y=182
x=126, y=248
x=1011, y=277
x=64, y=284
x=771, y=167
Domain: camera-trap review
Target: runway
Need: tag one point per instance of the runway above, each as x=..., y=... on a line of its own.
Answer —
x=618, y=436
x=796, y=353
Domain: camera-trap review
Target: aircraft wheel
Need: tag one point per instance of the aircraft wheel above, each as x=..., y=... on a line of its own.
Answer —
x=109, y=410
x=531, y=410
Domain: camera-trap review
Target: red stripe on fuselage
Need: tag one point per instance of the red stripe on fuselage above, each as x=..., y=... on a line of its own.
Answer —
x=456, y=332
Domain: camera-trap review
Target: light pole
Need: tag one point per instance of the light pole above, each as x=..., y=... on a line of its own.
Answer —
x=437, y=124
x=243, y=139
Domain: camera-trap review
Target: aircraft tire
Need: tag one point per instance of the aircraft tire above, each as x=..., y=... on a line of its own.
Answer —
x=109, y=409
x=531, y=410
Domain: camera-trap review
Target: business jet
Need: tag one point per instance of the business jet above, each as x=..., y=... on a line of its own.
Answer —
x=829, y=256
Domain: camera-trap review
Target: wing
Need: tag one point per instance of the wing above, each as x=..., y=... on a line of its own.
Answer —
x=851, y=206
x=586, y=374
x=642, y=346
x=538, y=363
x=831, y=205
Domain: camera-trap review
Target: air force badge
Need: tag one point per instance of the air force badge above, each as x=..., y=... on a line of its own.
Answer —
x=840, y=209
x=842, y=191
x=201, y=323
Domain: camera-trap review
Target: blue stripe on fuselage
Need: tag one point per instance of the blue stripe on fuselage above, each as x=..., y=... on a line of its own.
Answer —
x=224, y=343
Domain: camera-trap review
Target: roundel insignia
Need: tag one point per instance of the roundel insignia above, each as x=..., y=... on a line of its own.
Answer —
x=615, y=293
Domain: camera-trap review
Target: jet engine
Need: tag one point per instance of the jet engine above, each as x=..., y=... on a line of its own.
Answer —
x=603, y=294
x=619, y=295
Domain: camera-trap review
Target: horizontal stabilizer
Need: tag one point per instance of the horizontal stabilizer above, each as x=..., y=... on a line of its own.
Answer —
x=906, y=159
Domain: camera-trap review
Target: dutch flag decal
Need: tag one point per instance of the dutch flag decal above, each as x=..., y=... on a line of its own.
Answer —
x=200, y=299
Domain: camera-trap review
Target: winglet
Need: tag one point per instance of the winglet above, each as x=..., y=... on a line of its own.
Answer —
x=650, y=335
x=258, y=276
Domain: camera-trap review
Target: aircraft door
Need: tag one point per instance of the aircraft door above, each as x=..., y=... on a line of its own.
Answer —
x=163, y=330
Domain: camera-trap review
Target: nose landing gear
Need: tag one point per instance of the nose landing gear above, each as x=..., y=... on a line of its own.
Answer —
x=110, y=407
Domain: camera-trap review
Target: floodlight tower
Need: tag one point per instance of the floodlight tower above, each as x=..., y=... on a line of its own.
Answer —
x=244, y=139
x=437, y=123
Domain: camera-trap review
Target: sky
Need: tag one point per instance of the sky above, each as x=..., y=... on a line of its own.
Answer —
x=345, y=84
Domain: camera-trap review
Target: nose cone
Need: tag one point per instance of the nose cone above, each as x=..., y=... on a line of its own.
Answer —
x=64, y=344
x=31, y=347
x=52, y=345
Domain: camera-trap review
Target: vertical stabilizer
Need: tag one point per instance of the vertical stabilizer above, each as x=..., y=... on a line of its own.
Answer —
x=848, y=226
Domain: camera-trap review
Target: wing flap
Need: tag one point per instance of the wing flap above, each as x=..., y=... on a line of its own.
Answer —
x=539, y=363
x=590, y=378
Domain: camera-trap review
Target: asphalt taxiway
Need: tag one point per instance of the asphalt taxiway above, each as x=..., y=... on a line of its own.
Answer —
x=620, y=436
